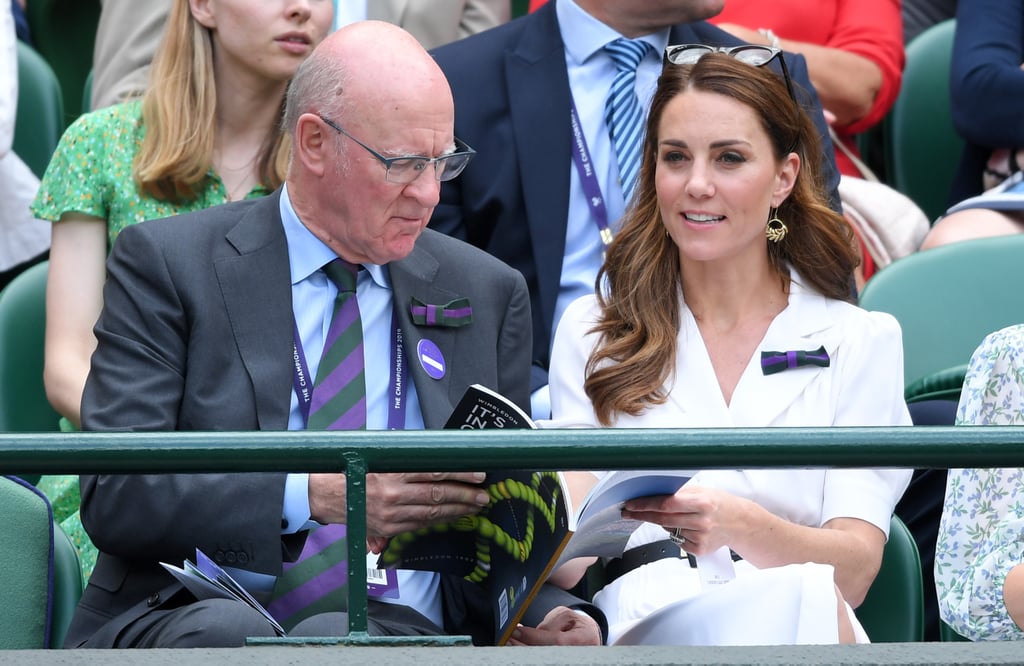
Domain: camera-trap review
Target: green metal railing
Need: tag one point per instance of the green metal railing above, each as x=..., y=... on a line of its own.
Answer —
x=358, y=453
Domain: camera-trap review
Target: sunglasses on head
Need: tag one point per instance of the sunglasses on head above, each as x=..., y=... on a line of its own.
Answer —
x=752, y=54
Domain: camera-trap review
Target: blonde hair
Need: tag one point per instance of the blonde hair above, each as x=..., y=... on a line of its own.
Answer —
x=638, y=324
x=178, y=113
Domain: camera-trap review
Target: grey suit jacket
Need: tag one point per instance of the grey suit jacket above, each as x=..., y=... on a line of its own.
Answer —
x=196, y=334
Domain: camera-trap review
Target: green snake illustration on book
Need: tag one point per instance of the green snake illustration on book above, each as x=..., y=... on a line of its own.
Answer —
x=521, y=504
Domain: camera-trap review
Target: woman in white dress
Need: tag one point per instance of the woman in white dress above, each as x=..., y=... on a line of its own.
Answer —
x=724, y=302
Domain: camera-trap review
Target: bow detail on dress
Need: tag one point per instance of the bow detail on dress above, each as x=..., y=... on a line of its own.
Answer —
x=452, y=314
x=777, y=361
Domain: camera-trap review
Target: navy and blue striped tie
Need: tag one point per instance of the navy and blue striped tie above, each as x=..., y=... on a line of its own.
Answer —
x=623, y=113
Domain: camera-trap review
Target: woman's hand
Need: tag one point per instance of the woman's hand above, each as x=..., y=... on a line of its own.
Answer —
x=709, y=519
x=706, y=518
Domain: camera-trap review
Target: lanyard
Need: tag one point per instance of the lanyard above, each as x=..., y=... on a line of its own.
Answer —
x=585, y=168
x=399, y=375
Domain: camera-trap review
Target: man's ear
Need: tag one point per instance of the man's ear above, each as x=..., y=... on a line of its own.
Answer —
x=203, y=13
x=311, y=146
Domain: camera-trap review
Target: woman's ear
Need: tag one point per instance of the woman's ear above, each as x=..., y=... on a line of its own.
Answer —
x=203, y=13
x=786, y=178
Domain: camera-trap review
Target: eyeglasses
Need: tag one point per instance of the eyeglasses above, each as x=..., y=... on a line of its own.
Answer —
x=752, y=54
x=404, y=170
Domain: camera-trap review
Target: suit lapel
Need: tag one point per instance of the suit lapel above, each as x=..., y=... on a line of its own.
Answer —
x=256, y=287
x=543, y=144
x=414, y=277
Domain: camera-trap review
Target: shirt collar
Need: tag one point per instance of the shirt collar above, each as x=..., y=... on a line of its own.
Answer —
x=584, y=35
x=307, y=254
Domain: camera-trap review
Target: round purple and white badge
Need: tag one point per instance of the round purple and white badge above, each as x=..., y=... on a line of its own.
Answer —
x=431, y=358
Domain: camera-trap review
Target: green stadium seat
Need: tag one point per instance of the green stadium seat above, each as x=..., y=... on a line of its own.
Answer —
x=39, y=120
x=64, y=32
x=39, y=571
x=23, y=403
x=948, y=299
x=893, y=611
x=921, y=146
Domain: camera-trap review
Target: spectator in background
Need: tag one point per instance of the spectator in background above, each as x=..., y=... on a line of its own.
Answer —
x=979, y=558
x=919, y=15
x=539, y=200
x=854, y=52
x=987, y=98
x=129, y=31
x=23, y=238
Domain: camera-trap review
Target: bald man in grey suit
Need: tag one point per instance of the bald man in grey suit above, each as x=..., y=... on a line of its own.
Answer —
x=202, y=316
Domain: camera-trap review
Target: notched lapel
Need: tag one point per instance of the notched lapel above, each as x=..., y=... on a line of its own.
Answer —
x=256, y=287
x=543, y=142
x=414, y=277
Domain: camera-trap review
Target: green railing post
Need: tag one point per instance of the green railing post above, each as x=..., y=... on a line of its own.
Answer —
x=355, y=494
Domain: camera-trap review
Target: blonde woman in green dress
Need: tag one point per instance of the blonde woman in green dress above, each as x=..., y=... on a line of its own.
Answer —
x=207, y=131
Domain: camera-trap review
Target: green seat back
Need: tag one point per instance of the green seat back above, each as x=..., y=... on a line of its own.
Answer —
x=67, y=585
x=64, y=32
x=39, y=570
x=39, y=121
x=948, y=634
x=922, y=148
x=23, y=403
x=893, y=611
x=942, y=385
x=949, y=298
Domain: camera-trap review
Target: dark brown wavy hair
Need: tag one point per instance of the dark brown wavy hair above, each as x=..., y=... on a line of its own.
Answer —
x=640, y=318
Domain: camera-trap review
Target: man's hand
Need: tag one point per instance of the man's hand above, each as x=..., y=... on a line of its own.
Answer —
x=397, y=503
x=561, y=626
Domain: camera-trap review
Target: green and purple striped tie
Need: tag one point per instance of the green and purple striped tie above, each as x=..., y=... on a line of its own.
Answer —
x=339, y=391
x=316, y=582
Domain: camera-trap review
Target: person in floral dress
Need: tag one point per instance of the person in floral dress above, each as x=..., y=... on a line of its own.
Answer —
x=979, y=556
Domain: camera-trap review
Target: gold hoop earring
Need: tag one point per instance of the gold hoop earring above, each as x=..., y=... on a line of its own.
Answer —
x=776, y=229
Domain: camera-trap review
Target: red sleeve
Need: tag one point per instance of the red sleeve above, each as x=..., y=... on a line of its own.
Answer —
x=872, y=29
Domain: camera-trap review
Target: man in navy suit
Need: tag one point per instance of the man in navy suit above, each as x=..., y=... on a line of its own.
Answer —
x=523, y=199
